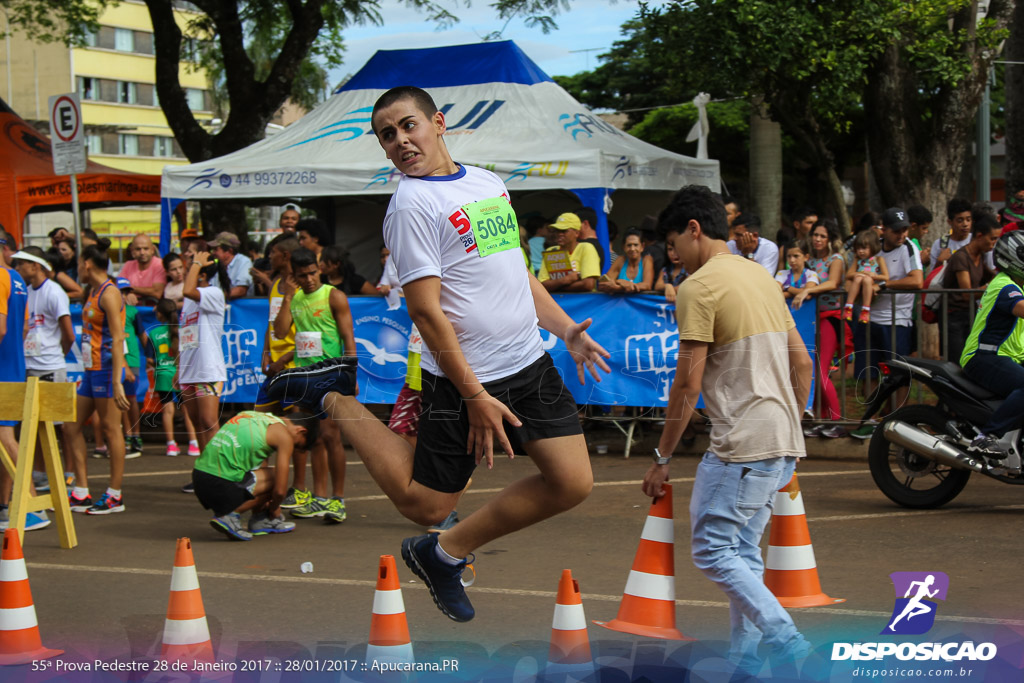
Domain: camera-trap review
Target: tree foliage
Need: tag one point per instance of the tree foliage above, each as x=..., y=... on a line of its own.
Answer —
x=66, y=21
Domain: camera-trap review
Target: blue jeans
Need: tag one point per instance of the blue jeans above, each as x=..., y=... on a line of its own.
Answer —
x=729, y=509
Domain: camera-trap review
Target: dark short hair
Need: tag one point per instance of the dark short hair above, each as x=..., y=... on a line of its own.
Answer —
x=919, y=215
x=985, y=223
x=311, y=423
x=957, y=205
x=286, y=246
x=335, y=254
x=302, y=258
x=751, y=221
x=869, y=220
x=633, y=232
x=585, y=213
x=167, y=308
x=694, y=203
x=315, y=228
x=803, y=212
x=732, y=200
x=170, y=258
x=424, y=102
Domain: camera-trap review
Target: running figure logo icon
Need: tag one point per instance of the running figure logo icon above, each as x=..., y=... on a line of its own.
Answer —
x=914, y=611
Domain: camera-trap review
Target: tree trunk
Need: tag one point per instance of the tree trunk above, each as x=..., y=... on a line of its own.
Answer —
x=765, y=170
x=224, y=217
x=1014, y=86
x=918, y=160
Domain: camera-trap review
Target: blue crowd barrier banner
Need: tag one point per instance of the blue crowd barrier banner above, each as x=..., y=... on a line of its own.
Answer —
x=640, y=332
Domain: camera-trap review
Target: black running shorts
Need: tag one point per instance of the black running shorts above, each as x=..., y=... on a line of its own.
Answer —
x=221, y=495
x=535, y=394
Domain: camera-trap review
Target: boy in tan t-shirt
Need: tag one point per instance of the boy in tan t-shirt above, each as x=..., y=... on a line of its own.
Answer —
x=738, y=344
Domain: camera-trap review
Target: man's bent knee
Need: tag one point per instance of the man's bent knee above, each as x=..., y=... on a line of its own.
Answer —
x=424, y=513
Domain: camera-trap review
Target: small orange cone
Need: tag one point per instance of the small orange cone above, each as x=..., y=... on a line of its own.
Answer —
x=790, y=570
x=648, y=606
x=570, y=646
x=19, y=630
x=186, y=633
x=389, y=631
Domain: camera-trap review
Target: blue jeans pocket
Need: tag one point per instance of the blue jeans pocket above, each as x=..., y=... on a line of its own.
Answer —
x=756, y=489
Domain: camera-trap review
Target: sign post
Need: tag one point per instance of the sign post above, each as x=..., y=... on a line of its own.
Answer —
x=67, y=140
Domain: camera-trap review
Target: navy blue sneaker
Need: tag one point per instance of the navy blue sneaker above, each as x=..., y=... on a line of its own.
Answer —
x=443, y=580
x=307, y=386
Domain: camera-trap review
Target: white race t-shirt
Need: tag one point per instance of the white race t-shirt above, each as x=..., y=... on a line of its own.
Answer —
x=488, y=300
x=900, y=261
x=201, y=326
x=46, y=306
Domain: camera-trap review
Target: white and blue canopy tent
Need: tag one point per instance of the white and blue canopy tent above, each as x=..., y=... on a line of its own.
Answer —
x=503, y=113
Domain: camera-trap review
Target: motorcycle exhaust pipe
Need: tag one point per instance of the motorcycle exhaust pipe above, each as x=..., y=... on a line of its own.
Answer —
x=904, y=434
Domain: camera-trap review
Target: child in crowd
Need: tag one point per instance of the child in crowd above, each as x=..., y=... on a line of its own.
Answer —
x=133, y=374
x=797, y=278
x=201, y=367
x=175, y=269
x=866, y=270
x=672, y=275
x=163, y=340
x=231, y=475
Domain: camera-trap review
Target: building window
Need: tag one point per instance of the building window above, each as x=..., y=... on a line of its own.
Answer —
x=196, y=100
x=163, y=146
x=124, y=40
x=89, y=38
x=88, y=88
x=93, y=143
x=127, y=93
x=128, y=145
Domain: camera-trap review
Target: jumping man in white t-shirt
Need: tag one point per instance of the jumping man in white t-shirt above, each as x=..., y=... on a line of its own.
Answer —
x=455, y=241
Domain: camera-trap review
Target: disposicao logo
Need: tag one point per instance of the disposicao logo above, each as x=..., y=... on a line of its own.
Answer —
x=914, y=613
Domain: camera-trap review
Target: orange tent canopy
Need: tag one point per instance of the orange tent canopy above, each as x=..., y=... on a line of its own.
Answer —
x=27, y=181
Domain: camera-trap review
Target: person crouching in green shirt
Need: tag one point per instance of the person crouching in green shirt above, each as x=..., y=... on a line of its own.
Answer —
x=231, y=475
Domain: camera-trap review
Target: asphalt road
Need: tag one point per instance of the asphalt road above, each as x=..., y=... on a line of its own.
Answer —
x=107, y=598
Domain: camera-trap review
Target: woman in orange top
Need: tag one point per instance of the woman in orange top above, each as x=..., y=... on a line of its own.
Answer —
x=103, y=343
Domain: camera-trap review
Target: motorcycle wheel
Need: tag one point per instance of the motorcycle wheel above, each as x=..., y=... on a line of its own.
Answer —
x=909, y=479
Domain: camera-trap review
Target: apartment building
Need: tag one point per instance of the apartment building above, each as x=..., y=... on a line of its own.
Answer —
x=114, y=75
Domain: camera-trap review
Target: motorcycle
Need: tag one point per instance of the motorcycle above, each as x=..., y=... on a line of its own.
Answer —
x=918, y=454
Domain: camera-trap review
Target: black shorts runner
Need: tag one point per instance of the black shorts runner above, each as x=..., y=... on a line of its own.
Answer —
x=535, y=394
x=221, y=495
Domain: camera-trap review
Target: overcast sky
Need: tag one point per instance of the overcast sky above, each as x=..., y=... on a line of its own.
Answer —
x=588, y=24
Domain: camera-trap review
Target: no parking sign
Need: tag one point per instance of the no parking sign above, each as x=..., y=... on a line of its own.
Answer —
x=67, y=138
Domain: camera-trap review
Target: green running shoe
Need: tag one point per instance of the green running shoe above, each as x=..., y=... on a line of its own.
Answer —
x=318, y=507
x=296, y=499
x=335, y=511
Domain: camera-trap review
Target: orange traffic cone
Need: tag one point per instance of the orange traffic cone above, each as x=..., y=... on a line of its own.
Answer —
x=790, y=570
x=570, y=646
x=19, y=630
x=389, y=631
x=648, y=606
x=186, y=633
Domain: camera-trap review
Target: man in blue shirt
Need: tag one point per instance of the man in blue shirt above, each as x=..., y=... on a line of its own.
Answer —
x=225, y=248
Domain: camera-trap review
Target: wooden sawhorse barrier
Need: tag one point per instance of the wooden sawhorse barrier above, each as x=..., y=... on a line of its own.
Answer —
x=38, y=405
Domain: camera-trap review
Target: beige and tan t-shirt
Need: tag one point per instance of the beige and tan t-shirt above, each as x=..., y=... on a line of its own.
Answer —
x=735, y=306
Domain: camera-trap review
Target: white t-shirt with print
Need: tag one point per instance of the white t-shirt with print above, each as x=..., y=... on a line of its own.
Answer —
x=488, y=300
x=46, y=306
x=901, y=261
x=200, y=328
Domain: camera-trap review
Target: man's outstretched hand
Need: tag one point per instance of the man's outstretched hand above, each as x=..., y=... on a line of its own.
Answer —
x=585, y=351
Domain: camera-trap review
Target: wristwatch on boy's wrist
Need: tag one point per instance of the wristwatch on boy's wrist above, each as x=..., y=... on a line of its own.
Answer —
x=659, y=459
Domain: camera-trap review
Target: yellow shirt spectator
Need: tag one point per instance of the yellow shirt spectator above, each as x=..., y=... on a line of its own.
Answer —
x=571, y=266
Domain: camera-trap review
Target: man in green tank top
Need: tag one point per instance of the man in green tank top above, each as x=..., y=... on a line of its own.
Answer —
x=231, y=476
x=323, y=329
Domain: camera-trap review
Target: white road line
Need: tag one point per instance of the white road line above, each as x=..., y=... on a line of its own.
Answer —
x=914, y=513
x=490, y=591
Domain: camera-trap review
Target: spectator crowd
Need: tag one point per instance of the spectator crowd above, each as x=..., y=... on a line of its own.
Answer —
x=864, y=291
